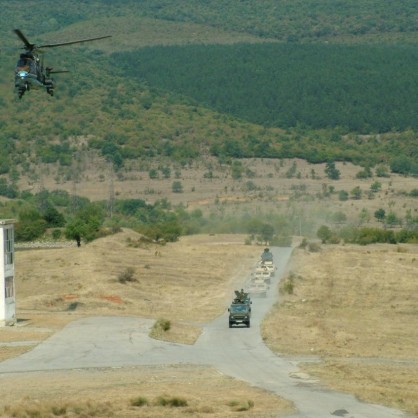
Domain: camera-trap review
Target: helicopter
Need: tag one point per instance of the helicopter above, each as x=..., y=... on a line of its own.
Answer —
x=30, y=72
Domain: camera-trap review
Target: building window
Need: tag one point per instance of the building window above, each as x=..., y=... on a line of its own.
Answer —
x=8, y=246
x=9, y=287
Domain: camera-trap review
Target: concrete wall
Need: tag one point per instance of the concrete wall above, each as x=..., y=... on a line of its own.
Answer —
x=7, y=274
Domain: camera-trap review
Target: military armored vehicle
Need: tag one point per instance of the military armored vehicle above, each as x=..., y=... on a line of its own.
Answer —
x=239, y=313
x=240, y=309
x=262, y=273
x=270, y=267
x=258, y=287
x=242, y=297
x=266, y=255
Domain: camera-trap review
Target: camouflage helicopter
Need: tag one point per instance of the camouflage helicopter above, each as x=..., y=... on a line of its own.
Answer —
x=30, y=72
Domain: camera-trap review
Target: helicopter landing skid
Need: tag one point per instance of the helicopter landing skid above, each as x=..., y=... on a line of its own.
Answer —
x=22, y=90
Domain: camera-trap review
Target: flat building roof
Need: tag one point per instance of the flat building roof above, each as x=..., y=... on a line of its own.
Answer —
x=7, y=221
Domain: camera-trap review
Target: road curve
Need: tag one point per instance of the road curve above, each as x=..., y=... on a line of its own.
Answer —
x=239, y=352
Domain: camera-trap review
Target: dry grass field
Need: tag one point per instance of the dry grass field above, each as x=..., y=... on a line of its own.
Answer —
x=274, y=190
x=55, y=286
x=356, y=309
x=353, y=309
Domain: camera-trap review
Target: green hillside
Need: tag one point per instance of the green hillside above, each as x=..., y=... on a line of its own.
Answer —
x=130, y=98
x=287, y=20
x=180, y=80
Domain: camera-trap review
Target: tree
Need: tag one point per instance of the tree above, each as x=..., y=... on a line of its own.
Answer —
x=267, y=232
x=364, y=174
x=324, y=233
x=364, y=216
x=380, y=214
x=343, y=195
x=30, y=225
x=331, y=171
x=339, y=217
x=153, y=174
x=356, y=193
x=177, y=187
x=382, y=171
x=53, y=218
x=392, y=219
x=236, y=170
x=85, y=224
x=376, y=186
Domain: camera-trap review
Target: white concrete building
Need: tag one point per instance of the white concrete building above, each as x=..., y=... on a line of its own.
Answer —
x=7, y=273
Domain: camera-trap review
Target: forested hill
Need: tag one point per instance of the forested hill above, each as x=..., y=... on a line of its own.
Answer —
x=285, y=20
x=361, y=88
x=284, y=79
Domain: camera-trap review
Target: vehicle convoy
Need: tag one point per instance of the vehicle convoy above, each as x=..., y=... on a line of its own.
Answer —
x=240, y=309
x=258, y=287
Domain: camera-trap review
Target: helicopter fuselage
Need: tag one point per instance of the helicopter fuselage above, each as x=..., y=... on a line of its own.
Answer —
x=28, y=75
x=30, y=72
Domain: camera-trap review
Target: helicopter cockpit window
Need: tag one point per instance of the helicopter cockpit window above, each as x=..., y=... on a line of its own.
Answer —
x=22, y=62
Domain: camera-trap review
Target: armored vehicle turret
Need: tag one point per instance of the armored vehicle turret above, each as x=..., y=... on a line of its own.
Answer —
x=266, y=255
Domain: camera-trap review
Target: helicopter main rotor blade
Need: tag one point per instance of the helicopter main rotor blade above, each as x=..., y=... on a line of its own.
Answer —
x=73, y=42
x=23, y=38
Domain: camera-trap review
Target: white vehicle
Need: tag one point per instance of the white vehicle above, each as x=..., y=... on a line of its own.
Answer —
x=270, y=267
x=258, y=287
x=262, y=273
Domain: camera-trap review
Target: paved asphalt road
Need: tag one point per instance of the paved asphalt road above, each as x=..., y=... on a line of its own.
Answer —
x=238, y=352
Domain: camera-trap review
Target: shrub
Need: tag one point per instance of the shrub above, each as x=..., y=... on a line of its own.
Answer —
x=177, y=187
x=56, y=234
x=174, y=402
x=314, y=247
x=288, y=286
x=324, y=233
x=241, y=406
x=164, y=324
x=127, y=275
x=140, y=401
x=160, y=326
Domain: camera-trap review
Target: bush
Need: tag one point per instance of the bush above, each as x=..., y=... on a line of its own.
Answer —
x=177, y=187
x=314, y=247
x=288, y=286
x=241, y=406
x=164, y=324
x=127, y=275
x=174, y=402
x=56, y=234
x=140, y=401
x=160, y=326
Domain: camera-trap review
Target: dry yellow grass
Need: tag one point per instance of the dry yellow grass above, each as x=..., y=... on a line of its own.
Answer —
x=336, y=313
x=109, y=393
x=357, y=309
x=169, y=281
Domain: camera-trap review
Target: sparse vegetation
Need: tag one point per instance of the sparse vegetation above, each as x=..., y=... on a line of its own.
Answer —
x=173, y=402
x=140, y=401
x=240, y=406
x=181, y=111
x=288, y=284
x=127, y=275
x=160, y=327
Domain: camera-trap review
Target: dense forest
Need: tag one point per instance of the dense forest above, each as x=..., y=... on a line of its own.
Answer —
x=364, y=89
x=286, y=20
x=322, y=80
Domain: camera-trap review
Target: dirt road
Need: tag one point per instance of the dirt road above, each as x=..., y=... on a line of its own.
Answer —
x=240, y=352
